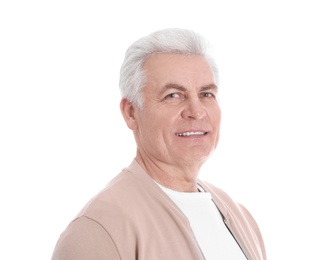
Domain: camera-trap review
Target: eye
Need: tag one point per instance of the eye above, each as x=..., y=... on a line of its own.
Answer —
x=207, y=95
x=172, y=96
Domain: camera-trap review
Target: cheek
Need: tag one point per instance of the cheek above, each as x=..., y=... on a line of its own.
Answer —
x=149, y=125
x=158, y=122
x=215, y=116
x=218, y=120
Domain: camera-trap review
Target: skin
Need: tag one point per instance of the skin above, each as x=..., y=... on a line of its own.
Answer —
x=179, y=97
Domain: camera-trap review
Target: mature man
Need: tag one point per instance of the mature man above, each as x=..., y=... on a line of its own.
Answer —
x=157, y=208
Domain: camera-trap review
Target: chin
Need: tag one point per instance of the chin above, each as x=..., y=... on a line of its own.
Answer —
x=195, y=157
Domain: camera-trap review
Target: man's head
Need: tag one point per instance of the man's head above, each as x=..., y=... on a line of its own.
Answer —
x=176, y=119
x=174, y=40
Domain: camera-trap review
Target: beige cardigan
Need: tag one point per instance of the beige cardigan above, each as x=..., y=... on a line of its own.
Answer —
x=133, y=219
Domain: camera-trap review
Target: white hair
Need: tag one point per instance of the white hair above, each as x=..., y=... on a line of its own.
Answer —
x=173, y=40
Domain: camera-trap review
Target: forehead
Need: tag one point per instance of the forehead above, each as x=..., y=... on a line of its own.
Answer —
x=193, y=70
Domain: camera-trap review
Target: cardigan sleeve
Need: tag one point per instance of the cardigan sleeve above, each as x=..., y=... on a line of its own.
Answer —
x=85, y=239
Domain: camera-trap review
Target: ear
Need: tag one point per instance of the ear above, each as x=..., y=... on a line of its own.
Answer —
x=128, y=111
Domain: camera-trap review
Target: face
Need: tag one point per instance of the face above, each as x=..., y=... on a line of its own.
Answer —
x=179, y=122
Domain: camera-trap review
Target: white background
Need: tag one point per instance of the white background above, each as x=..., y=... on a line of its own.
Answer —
x=62, y=137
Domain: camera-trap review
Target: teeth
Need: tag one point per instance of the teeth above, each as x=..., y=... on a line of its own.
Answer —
x=191, y=133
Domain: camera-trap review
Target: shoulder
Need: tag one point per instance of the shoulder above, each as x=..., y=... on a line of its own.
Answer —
x=94, y=233
x=117, y=196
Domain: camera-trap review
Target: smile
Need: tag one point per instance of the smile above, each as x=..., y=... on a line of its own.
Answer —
x=191, y=133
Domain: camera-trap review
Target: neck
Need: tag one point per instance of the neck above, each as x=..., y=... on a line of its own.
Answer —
x=176, y=177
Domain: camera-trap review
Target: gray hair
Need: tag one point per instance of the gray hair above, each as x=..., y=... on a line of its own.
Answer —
x=173, y=40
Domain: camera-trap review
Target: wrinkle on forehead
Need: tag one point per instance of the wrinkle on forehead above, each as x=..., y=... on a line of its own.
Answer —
x=179, y=87
x=185, y=71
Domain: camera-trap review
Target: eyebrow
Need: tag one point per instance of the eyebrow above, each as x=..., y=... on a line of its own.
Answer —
x=184, y=89
x=210, y=86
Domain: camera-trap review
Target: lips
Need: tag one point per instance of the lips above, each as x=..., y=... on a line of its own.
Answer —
x=191, y=133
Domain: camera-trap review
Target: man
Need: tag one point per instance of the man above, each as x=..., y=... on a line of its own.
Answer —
x=157, y=208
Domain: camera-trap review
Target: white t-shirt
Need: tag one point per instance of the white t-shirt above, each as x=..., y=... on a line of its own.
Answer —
x=212, y=235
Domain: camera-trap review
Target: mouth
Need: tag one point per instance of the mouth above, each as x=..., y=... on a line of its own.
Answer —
x=192, y=133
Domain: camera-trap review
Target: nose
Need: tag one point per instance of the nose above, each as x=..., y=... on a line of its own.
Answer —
x=193, y=109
